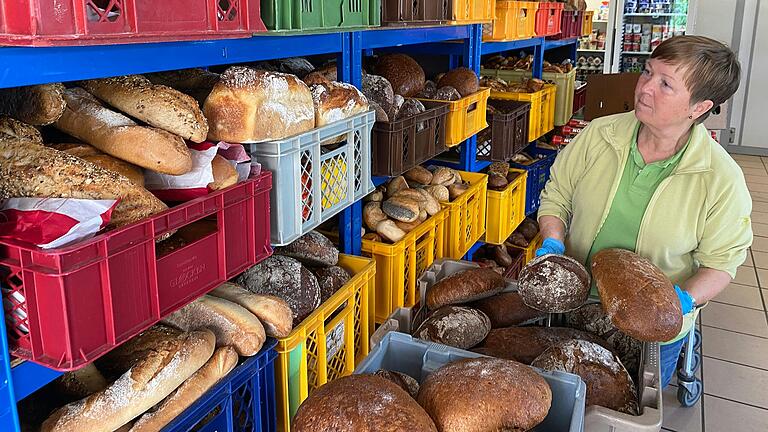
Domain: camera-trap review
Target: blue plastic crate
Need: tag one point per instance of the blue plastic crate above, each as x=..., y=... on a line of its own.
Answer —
x=538, y=174
x=402, y=353
x=243, y=401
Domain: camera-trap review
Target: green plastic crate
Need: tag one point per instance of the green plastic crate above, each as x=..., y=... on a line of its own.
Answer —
x=565, y=82
x=294, y=15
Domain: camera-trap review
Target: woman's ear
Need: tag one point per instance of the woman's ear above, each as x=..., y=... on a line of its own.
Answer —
x=701, y=108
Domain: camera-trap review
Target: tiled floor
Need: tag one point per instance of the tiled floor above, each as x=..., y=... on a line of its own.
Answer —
x=735, y=337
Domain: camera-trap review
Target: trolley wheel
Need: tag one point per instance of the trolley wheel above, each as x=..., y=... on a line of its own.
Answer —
x=697, y=340
x=688, y=397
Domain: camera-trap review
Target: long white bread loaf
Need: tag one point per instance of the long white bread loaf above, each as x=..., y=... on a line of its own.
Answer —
x=28, y=169
x=37, y=105
x=273, y=312
x=157, y=105
x=117, y=135
x=149, y=381
x=222, y=362
x=231, y=323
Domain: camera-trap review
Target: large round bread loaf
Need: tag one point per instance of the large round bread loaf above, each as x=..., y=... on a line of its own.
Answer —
x=403, y=72
x=485, y=394
x=638, y=298
x=330, y=279
x=361, y=403
x=608, y=383
x=506, y=309
x=405, y=381
x=524, y=344
x=455, y=326
x=554, y=284
x=464, y=287
x=464, y=80
x=273, y=312
x=254, y=106
x=312, y=249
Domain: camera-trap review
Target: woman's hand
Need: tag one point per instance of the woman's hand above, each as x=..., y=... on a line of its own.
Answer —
x=551, y=246
x=686, y=301
x=704, y=285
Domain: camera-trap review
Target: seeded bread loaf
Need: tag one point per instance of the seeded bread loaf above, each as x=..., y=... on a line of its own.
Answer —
x=197, y=83
x=37, y=105
x=10, y=128
x=91, y=154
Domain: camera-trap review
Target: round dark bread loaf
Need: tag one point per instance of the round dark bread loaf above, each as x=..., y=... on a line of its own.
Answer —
x=524, y=344
x=405, y=381
x=378, y=89
x=330, y=280
x=403, y=72
x=447, y=93
x=593, y=319
x=464, y=287
x=506, y=310
x=638, y=298
x=464, y=80
x=554, y=284
x=286, y=278
x=485, y=394
x=361, y=403
x=312, y=249
x=608, y=383
x=455, y=326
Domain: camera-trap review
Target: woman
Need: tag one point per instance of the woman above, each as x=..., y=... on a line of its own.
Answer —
x=653, y=181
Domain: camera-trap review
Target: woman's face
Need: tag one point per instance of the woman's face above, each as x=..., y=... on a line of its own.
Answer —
x=661, y=97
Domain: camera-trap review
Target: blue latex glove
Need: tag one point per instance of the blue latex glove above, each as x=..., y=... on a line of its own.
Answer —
x=686, y=301
x=551, y=246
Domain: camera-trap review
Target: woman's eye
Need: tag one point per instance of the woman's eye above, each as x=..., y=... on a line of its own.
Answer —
x=666, y=84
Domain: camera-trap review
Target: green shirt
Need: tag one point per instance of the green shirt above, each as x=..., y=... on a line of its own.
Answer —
x=638, y=183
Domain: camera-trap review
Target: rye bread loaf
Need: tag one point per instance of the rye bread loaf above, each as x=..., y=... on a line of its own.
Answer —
x=485, y=394
x=93, y=155
x=37, y=105
x=554, y=284
x=464, y=80
x=379, y=91
x=286, y=278
x=464, y=287
x=161, y=367
x=593, y=319
x=31, y=170
x=273, y=312
x=403, y=72
x=157, y=105
x=361, y=403
x=608, y=383
x=524, y=344
x=455, y=326
x=405, y=381
x=312, y=249
x=10, y=128
x=330, y=279
x=638, y=298
x=506, y=310
x=197, y=83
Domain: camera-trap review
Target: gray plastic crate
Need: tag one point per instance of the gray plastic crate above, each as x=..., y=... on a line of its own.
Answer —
x=311, y=182
x=400, y=352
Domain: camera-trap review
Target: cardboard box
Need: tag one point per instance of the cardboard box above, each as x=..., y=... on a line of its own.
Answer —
x=610, y=94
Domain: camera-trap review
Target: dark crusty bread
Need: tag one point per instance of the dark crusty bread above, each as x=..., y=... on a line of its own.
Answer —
x=379, y=90
x=464, y=287
x=464, y=80
x=638, y=298
x=38, y=105
x=330, y=280
x=608, y=383
x=593, y=319
x=405, y=381
x=524, y=344
x=312, y=249
x=455, y=326
x=403, y=72
x=554, y=284
x=31, y=170
x=485, y=394
x=506, y=310
x=361, y=403
x=12, y=128
x=286, y=278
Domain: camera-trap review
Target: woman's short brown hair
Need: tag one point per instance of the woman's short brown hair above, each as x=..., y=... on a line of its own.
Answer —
x=711, y=69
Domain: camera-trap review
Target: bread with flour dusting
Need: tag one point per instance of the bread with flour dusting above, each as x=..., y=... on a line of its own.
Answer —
x=455, y=326
x=554, y=284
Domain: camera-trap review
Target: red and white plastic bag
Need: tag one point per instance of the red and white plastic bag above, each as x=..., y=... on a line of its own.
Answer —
x=187, y=186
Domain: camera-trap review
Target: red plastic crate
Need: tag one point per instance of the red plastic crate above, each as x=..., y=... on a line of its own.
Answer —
x=89, y=22
x=571, y=23
x=548, y=17
x=66, y=307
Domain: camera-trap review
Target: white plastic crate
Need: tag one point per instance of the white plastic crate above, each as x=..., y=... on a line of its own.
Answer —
x=304, y=196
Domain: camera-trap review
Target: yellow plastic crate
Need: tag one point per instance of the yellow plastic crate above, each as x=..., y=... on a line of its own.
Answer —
x=565, y=83
x=542, y=116
x=473, y=10
x=399, y=265
x=530, y=251
x=505, y=209
x=466, y=216
x=586, y=26
x=466, y=116
x=329, y=343
x=514, y=20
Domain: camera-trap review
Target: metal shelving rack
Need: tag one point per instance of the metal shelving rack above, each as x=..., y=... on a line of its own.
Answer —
x=21, y=66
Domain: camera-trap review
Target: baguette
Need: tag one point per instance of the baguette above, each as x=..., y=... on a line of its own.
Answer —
x=231, y=323
x=117, y=135
x=11, y=128
x=164, y=367
x=91, y=154
x=37, y=105
x=222, y=362
x=157, y=105
x=29, y=170
x=273, y=312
